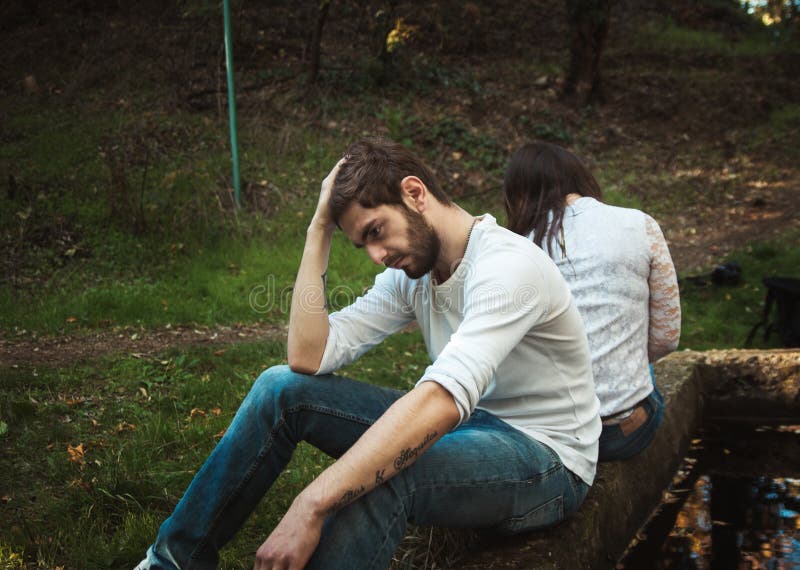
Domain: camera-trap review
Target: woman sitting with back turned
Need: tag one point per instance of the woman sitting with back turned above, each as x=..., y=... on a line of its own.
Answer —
x=622, y=278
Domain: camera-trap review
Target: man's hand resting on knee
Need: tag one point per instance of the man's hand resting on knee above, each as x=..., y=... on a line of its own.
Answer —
x=400, y=436
x=293, y=541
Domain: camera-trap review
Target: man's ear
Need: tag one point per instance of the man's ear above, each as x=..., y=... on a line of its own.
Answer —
x=415, y=193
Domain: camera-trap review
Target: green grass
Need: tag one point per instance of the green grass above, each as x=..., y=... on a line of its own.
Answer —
x=195, y=262
x=146, y=426
x=786, y=118
x=74, y=266
x=721, y=317
x=236, y=281
x=667, y=36
x=614, y=184
x=751, y=40
x=782, y=128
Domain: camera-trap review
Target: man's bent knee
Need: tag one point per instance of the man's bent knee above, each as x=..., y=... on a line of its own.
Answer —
x=279, y=382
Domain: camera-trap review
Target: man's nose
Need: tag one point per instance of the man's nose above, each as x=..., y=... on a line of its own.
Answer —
x=376, y=253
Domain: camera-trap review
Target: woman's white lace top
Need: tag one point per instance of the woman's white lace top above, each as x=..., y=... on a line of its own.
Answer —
x=622, y=278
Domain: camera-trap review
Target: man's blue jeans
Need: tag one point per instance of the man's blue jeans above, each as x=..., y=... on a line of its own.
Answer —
x=483, y=474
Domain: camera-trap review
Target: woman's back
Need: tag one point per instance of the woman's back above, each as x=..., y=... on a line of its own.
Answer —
x=610, y=258
x=619, y=270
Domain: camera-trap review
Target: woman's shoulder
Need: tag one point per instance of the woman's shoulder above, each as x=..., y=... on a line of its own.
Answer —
x=588, y=208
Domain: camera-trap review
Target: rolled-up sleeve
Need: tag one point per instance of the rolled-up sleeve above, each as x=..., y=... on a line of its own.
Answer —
x=360, y=326
x=500, y=308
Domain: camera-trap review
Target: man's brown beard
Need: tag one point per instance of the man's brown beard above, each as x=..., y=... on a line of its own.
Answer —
x=423, y=242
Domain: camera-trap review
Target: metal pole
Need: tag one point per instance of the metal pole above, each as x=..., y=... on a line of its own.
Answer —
x=226, y=10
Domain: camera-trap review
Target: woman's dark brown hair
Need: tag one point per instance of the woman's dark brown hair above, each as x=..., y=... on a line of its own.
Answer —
x=372, y=173
x=538, y=179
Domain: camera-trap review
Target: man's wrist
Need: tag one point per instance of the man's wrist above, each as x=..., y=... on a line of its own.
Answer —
x=321, y=226
x=311, y=504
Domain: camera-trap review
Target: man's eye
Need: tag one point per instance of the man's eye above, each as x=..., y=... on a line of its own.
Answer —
x=375, y=232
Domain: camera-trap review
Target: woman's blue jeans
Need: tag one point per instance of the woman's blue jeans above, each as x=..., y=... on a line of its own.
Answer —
x=618, y=443
x=483, y=474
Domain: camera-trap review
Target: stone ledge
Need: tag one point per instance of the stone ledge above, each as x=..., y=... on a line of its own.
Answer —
x=626, y=492
x=750, y=385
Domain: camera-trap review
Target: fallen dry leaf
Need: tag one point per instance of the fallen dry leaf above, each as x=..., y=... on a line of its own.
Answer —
x=195, y=412
x=77, y=454
x=125, y=426
x=80, y=484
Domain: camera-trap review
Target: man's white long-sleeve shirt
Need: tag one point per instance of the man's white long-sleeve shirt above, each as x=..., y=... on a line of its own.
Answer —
x=503, y=334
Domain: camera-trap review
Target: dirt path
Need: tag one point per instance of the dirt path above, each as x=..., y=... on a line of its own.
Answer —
x=704, y=236
x=69, y=349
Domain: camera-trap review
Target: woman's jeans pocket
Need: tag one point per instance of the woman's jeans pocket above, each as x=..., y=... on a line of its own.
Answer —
x=617, y=443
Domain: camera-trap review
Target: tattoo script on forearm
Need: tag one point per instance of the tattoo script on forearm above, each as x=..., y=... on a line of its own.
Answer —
x=406, y=456
x=409, y=454
x=347, y=498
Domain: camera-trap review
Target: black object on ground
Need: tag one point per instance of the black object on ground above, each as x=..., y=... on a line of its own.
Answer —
x=728, y=274
x=784, y=294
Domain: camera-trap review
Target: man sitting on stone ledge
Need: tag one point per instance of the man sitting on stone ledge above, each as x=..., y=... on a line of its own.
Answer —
x=500, y=431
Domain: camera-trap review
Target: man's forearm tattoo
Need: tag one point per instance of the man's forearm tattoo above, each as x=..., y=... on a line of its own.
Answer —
x=347, y=498
x=325, y=290
x=405, y=457
x=409, y=454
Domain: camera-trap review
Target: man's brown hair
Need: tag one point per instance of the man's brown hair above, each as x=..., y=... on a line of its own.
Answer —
x=372, y=173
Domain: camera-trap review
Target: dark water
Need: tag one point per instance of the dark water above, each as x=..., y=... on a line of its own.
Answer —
x=733, y=504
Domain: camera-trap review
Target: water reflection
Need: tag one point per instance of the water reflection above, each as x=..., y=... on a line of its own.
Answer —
x=740, y=523
x=728, y=506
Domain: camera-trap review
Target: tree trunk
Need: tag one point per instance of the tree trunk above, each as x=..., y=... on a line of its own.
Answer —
x=588, y=24
x=316, y=39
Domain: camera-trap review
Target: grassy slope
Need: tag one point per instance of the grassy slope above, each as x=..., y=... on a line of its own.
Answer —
x=144, y=427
